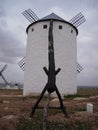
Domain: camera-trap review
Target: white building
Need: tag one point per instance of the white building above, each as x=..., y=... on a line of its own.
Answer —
x=65, y=49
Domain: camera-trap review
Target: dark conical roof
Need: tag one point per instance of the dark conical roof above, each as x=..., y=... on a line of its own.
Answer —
x=52, y=16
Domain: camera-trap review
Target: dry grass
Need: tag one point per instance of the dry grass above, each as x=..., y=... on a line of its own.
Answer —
x=89, y=91
x=10, y=92
x=19, y=109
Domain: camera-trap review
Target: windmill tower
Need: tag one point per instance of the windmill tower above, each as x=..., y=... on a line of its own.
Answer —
x=65, y=46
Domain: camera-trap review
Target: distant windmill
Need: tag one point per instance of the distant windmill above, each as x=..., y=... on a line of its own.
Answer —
x=5, y=81
x=32, y=17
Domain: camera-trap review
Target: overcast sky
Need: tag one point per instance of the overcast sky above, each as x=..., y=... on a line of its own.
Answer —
x=13, y=35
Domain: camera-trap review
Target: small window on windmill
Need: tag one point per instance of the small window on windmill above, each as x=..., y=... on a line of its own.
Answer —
x=60, y=27
x=71, y=31
x=32, y=29
x=44, y=26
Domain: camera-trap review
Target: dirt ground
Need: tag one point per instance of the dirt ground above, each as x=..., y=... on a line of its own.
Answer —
x=13, y=105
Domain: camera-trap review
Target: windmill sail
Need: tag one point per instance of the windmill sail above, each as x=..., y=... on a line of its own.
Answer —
x=79, y=68
x=3, y=68
x=78, y=20
x=30, y=15
x=5, y=81
x=21, y=63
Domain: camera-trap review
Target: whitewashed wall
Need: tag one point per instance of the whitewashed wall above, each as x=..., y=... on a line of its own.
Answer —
x=65, y=47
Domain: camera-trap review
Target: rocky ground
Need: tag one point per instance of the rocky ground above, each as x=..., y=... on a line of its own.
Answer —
x=13, y=106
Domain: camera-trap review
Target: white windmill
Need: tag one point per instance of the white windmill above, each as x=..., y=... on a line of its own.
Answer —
x=65, y=46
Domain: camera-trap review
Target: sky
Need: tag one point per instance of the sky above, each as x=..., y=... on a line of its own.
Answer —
x=13, y=36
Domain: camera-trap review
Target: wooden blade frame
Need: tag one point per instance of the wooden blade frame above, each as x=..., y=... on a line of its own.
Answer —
x=2, y=74
x=30, y=15
x=21, y=63
x=78, y=20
